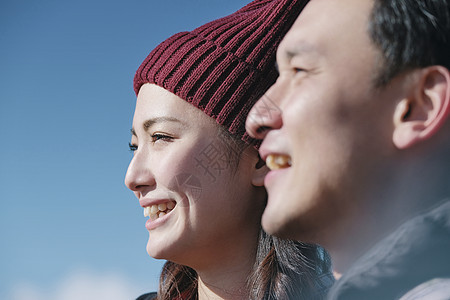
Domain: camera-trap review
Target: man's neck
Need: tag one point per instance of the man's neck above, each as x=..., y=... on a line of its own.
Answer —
x=406, y=192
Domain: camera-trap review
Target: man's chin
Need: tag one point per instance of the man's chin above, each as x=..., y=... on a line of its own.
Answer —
x=276, y=223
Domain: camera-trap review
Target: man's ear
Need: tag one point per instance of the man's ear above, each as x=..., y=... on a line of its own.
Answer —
x=260, y=172
x=425, y=110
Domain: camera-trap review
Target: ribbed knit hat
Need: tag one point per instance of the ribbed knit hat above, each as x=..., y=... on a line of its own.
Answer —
x=226, y=65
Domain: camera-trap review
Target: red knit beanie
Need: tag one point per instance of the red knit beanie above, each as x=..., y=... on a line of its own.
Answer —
x=226, y=65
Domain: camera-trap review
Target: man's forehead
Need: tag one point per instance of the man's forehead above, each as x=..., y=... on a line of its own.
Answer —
x=327, y=21
x=332, y=12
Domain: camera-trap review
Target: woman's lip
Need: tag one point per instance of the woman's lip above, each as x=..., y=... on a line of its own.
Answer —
x=150, y=202
x=152, y=224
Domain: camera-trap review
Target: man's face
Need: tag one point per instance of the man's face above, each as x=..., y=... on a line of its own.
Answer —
x=331, y=127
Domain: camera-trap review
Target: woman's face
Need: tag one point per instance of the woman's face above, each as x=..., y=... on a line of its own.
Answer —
x=198, y=193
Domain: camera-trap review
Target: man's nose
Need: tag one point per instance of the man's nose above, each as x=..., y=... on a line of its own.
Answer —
x=265, y=115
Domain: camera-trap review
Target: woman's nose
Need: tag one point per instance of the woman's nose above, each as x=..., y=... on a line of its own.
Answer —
x=139, y=178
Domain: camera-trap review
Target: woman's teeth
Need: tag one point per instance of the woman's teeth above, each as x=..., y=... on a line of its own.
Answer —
x=278, y=161
x=158, y=210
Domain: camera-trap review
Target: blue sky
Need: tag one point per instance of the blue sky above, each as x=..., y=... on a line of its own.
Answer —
x=69, y=228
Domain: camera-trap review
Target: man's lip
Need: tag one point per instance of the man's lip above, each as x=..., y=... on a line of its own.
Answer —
x=273, y=175
x=149, y=202
x=265, y=151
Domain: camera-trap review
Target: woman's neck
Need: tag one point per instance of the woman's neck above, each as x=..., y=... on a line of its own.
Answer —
x=227, y=278
x=227, y=284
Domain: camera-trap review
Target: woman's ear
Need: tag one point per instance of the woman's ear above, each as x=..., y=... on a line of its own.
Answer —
x=425, y=110
x=260, y=172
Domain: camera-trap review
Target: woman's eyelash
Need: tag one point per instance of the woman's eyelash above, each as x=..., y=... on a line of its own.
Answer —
x=132, y=147
x=155, y=137
x=163, y=137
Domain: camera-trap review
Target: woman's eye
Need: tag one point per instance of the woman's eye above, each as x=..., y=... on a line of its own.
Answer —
x=298, y=70
x=132, y=147
x=161, y=137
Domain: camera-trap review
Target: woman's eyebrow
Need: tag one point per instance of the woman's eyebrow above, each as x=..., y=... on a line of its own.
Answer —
x=150, y=122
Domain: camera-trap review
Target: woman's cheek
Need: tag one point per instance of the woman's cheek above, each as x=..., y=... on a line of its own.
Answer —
x=182, y=176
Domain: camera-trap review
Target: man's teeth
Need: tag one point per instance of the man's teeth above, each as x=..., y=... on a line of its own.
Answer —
x=158, y=210
x=277, y=161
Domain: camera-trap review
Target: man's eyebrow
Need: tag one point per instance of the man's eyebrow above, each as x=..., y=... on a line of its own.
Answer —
x=300, y=49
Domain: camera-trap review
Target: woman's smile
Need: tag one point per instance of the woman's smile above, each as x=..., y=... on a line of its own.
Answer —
x=158, y=214
x=158, y=210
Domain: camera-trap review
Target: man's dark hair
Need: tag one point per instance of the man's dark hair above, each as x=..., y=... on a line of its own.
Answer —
x=410, y=34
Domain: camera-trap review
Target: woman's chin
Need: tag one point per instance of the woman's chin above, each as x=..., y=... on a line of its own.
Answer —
x=155, y=252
